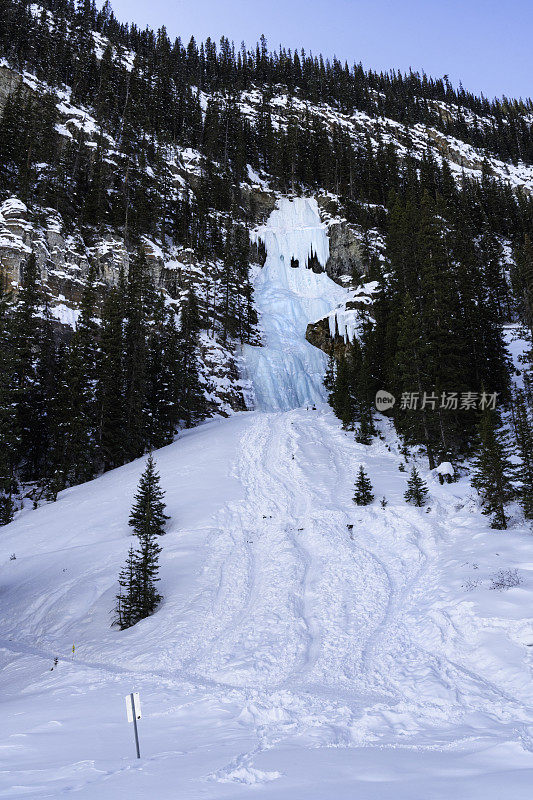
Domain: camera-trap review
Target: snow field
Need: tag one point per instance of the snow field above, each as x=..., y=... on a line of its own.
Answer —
x=280, y=632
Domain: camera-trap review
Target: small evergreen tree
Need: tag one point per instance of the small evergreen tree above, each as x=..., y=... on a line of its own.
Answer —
x=341, y=398
x=492, y=472
x=126, y=608
x=363, y=489
x=7, y=508
x=146, y=575
x=417, y=490
x=524, y=441
x=366, y=429
x=148, y=516
x=138, y=597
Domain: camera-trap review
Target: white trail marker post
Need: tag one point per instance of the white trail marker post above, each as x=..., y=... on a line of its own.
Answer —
x=133, y=709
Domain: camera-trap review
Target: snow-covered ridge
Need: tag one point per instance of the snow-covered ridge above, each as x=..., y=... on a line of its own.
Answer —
x=461, y=157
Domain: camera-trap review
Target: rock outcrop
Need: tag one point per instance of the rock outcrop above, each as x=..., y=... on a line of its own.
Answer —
x=10, y=81
x=345, y=257
x=340, y=330
x=318, y=334
x=15, y=242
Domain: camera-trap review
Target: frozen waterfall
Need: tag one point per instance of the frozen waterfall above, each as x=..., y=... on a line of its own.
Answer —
x=287, y=372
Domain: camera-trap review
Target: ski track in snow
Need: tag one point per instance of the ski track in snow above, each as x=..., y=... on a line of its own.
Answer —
x=281, y=627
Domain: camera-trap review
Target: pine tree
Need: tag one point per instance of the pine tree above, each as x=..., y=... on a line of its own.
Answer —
x=329, y=375
x=138, y=597
x=366, y=429
x=135, y=355
x=127, y=598
x=7, y=508
x=147, y=569
x=148, y=516
x=9, y=438
x=417, y=490
x=522, y=280
x=492, y=472
x=363, y=489
x=192, y=398
x=162, y=376
x=341, y=397
x=46, y=382
x=524, y=440
x=75, y=437
x=110, y=379
x=25, y=347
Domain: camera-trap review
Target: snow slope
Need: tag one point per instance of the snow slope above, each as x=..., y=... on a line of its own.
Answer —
x=281, y=636
x=293, y=655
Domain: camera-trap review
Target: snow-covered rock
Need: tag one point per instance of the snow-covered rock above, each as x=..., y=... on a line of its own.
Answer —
x=445, y=468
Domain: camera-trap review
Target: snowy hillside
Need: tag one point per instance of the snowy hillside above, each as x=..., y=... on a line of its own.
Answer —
x=305, y=647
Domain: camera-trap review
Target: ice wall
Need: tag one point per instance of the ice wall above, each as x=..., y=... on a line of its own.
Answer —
x=287, y=371
x=294, y=230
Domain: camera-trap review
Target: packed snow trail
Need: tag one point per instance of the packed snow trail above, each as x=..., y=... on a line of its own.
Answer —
x=281, y=631
x=287, y=372
x=318, y=649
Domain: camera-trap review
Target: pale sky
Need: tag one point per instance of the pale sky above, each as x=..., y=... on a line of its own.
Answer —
x=486, y=44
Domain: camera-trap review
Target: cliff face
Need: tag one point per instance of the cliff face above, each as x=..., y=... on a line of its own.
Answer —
x=65, y=258
x=345, y=255
x=10, y=81
x=345, y=252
